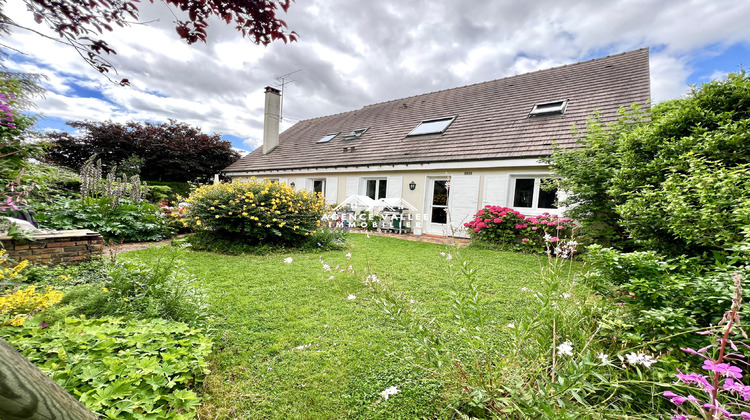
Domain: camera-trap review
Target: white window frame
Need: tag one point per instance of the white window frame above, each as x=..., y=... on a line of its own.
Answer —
x=377, y=180
x=544, y=109
x=328, y=137
x=417, y=132
x=355, y=134
x=323, y=180
x=535, y=195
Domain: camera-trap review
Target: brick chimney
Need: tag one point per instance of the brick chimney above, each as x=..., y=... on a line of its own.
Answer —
x=271, y=117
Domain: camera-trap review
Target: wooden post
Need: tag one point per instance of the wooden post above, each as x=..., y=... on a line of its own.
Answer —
x=28, y=394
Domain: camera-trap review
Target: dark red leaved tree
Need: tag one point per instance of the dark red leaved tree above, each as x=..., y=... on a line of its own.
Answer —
x=170, y=151
x=80, y=22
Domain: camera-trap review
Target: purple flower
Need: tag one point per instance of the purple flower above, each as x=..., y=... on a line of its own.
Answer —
x=725, y=369
x=745, y=415
x=676, y=399
x=715, y=406
x=680, y=417
x=694, y=378
x=738, y=387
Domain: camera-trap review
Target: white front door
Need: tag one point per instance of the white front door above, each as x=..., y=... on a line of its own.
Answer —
x=437, y=206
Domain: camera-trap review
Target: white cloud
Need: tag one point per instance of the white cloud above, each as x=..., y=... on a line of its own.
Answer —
x=355, y=53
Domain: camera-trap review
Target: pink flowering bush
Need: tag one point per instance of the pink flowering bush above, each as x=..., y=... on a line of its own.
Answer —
x=510, y=229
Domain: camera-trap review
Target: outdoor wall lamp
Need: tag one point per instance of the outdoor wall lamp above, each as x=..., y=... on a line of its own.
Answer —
x=412, y=185
x=292, y=185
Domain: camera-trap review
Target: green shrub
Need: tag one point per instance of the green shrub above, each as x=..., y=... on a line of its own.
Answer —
x=666, y=296
x=119, y=369
x=256, y=212
x=128, y=221
x=177, y=190
x=325, y=239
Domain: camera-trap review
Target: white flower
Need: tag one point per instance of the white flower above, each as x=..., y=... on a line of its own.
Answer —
x=604, y=358
x=331, y=278
x=640, y=359
x=411, y=300
x=565, y=349
x=372, y=278
x=326, y=267
x=288, y=260
x=511, y=325
x=389, y=391
x=525, y=289
x=351, y=297
x=302, y=347
x=448, y=257
x=565, y=295
x=348, y=255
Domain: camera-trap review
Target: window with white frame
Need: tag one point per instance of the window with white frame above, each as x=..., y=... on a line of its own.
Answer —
x=319, y=186
x=376, y=188
x=533, y=193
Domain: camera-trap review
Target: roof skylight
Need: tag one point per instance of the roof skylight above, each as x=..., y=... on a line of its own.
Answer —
x=436, y=126
x=354, y=135
x=328, y=137
x=549, y=108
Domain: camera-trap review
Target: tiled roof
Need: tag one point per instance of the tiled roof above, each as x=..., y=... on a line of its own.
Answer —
x=491, y=119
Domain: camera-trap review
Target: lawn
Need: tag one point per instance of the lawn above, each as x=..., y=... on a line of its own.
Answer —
x=293, y=343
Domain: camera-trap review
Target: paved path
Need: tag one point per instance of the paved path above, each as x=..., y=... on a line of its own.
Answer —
x=116, y=249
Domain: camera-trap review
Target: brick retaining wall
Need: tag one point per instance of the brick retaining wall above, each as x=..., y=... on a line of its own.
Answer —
x=70, y=246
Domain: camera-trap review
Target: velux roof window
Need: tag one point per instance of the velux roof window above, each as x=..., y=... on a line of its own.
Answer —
x=549, y=108
x=354, y=135
x=432, y=126
x=328, y=137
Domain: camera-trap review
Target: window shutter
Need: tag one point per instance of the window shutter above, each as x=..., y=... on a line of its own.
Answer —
x=308, y=185
x=495, y=190
x=463, y=199
x=394, y=187
x=352, y=186
x=332, y=190
x=284, y=181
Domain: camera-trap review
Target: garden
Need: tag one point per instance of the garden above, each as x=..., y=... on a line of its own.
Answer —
x=629, y=306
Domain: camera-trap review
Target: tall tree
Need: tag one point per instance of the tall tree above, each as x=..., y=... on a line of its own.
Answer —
x=171, y=151
x=80, y=23
x=677, y=182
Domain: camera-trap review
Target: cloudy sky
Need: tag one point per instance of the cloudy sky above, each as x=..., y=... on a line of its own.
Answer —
x=352, y=53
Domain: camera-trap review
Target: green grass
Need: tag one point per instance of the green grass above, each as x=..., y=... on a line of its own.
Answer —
x=265, y=308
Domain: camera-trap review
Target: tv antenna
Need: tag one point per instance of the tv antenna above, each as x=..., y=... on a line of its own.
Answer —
x=283, y=81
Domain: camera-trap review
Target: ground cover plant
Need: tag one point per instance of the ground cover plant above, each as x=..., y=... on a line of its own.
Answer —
x=299, y=336
x=146, y=363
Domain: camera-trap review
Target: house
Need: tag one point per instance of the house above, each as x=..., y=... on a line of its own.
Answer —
x=451, y=152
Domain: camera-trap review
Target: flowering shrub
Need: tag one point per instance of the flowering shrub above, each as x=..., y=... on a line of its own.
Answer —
x=509, y=228
x=256, y=212
x=20, y=304
x=721, y=388
x=176, y=215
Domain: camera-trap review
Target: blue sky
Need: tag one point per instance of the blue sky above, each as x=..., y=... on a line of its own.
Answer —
x=354, y=53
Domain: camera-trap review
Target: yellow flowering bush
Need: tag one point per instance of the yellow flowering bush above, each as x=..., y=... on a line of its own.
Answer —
x=8, y=273
x=20, y=304
x=256, y=212
x=17, y=304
